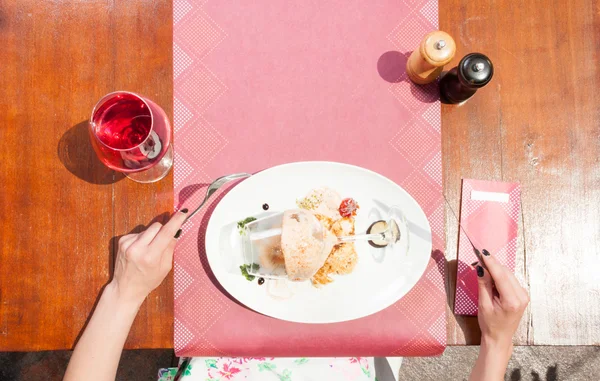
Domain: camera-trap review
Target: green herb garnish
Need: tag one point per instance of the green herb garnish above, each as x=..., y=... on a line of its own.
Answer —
x=242, y=224
x=244, y=269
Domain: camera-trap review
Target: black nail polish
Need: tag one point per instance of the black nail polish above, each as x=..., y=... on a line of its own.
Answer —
x=184, y=210
x=486, y=253
x=178, y=233
x=480, y=271
x=474, y=263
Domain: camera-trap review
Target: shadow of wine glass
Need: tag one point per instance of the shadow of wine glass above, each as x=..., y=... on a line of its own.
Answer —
x=78, y=156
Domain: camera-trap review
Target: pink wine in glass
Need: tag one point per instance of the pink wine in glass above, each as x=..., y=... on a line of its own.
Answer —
x=131, y=134
x=123, y=123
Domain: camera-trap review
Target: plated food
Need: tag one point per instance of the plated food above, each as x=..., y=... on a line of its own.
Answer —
x=306, y=245
x=378, y=279
x=337, y=217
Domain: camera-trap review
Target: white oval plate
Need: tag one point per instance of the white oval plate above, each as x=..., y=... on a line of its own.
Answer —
x=381, y=277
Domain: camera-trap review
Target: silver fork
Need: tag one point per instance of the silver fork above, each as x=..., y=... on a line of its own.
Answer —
x=214, y=186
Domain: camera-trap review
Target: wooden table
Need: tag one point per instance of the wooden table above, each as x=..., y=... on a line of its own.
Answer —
x=537, y=122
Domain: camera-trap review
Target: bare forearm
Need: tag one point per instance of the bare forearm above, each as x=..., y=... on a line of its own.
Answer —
x=492, y=362
x=96, y=356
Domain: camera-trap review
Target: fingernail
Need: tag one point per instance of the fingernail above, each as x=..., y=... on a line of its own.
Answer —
x=178, y=233
x=480, y=271
x=474, y=263
x=184, y=210
x=486, y=253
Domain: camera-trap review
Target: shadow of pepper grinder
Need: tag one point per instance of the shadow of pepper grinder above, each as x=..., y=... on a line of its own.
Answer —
x=474, y=71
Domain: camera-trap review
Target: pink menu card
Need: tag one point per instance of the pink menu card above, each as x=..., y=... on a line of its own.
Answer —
x=262, y=83
x=489, y=214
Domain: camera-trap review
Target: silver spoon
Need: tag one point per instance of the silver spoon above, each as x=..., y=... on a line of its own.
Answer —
x=214, y=186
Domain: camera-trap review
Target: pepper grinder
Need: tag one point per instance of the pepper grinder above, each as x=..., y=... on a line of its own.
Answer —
x=473, y=72
x=426, y=63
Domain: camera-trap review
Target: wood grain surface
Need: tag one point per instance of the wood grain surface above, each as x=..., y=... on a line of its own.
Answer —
x=537, y=122
x=60, y=207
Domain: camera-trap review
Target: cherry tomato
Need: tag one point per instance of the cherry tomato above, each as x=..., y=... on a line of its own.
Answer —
x=348, y=207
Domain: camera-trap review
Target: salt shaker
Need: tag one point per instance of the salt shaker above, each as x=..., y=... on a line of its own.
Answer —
x=473, y=72
x=426, y=63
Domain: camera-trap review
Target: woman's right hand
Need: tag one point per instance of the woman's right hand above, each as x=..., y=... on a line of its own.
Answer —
x=144, y=259
x=502, y=302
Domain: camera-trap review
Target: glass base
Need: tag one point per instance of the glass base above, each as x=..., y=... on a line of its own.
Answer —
x=157, y=172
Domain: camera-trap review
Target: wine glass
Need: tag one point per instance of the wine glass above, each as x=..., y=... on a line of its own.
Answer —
x=132, y=134
x=261, y=240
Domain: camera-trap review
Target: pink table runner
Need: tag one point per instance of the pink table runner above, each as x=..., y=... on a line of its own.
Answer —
x=261, y=83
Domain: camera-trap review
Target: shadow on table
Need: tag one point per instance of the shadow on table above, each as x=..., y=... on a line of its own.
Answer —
x=468, y=324
x=190, y=191
x=77, y=155
x=391, y=67
x=209, y=208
